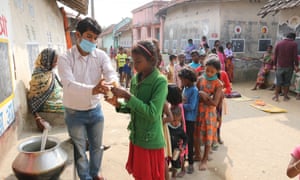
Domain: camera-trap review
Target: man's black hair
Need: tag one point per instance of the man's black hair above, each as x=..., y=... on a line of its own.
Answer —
x=172, y=56
x=88, y=24
x=291, y=35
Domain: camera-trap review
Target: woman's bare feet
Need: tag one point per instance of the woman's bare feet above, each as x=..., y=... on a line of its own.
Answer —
x=286, y=98
x=203, y=166
x=275, y=98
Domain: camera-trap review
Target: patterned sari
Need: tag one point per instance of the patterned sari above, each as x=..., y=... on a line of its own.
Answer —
x=265, y=69
x=42, y=83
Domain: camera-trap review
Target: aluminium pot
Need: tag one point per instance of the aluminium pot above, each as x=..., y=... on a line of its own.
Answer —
x=33, y=164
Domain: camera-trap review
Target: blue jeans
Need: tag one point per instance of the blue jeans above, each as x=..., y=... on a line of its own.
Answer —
x=81, y=125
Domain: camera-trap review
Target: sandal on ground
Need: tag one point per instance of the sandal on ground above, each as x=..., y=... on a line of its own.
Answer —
x=98, y=178
x=214, y=147
x=181, y=174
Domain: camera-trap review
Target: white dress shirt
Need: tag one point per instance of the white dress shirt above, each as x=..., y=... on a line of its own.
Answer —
x=80, y=74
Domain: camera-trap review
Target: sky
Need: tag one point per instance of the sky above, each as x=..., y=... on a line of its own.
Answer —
x=109, y=12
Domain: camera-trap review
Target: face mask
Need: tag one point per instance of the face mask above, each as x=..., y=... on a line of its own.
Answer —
x=214, y=77
x=87, y=46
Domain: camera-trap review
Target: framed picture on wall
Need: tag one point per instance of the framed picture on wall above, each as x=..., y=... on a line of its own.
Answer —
x=33, y=52
x=166, y=46
x=263, y=44
x=174, y=46
x=6, y=87
x=183, y=44
x=197, y=43
x=211, y=43
x=238, y=45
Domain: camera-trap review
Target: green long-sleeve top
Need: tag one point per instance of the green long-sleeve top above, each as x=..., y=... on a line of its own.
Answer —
x=145, y=107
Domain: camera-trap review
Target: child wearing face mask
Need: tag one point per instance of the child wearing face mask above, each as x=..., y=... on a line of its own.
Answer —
x=210, y=92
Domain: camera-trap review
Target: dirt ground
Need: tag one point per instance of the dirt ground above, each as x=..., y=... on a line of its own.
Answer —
x=257, y=144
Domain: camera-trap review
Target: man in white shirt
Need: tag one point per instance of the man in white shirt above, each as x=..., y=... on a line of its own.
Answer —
x=82, y=69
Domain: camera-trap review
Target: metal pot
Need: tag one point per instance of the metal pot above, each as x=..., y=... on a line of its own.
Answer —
x=34, y=164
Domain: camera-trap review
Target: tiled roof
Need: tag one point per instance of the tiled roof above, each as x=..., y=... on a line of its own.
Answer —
x=124, y=28
x=172, y=3
x=78, y=5
x=274, y=6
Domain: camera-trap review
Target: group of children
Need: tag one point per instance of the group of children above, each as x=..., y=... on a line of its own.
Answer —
x=124, y=67
x=195, y=101
x=190, y=115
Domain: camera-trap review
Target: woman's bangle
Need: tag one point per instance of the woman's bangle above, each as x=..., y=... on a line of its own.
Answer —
x=295, y=167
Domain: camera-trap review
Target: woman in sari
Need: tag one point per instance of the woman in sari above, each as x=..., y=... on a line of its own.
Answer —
x=265, y=68
x=45, y=93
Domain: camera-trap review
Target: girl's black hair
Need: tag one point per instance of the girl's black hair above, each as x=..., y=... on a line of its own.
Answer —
x=188, y=73
x=149, y=49
x=174, y=94
x=216, y=41
x=214, y=62
x=88, y=24
x=221, y=49
x=227, y=44
x=214, y=50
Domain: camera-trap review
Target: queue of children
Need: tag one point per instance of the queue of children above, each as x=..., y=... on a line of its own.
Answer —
x=203, y=83
x=189, y=113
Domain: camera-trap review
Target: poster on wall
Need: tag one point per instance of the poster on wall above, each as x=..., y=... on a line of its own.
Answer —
x=7, y=114
x=263, y=44
x=33, y=52
x=166, y=46
x=183, y=44
x=298, y=42
x=238, y=45
x=5, y=77
x=174, y=46
x=211, y=43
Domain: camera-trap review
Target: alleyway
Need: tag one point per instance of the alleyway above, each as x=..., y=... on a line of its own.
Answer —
x=256, y=144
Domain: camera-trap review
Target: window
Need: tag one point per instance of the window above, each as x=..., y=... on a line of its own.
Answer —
x=149, y=31
x=139, y=34
x=157, y=33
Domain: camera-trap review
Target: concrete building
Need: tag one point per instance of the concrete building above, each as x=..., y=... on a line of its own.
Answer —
x=126, y=38
x=288, y=13
x=123, y=34
x=26, y=28
x=145, y=25
x=225, y=20
x=106, y=39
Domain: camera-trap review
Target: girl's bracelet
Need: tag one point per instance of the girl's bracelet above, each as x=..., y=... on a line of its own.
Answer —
x=295, y=167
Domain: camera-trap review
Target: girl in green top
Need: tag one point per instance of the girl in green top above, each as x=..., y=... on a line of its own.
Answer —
x=145, y=101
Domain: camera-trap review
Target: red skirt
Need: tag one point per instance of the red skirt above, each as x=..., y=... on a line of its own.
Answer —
x=146, y=164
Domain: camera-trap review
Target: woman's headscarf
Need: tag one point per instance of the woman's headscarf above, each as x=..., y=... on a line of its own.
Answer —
x=42, y=80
